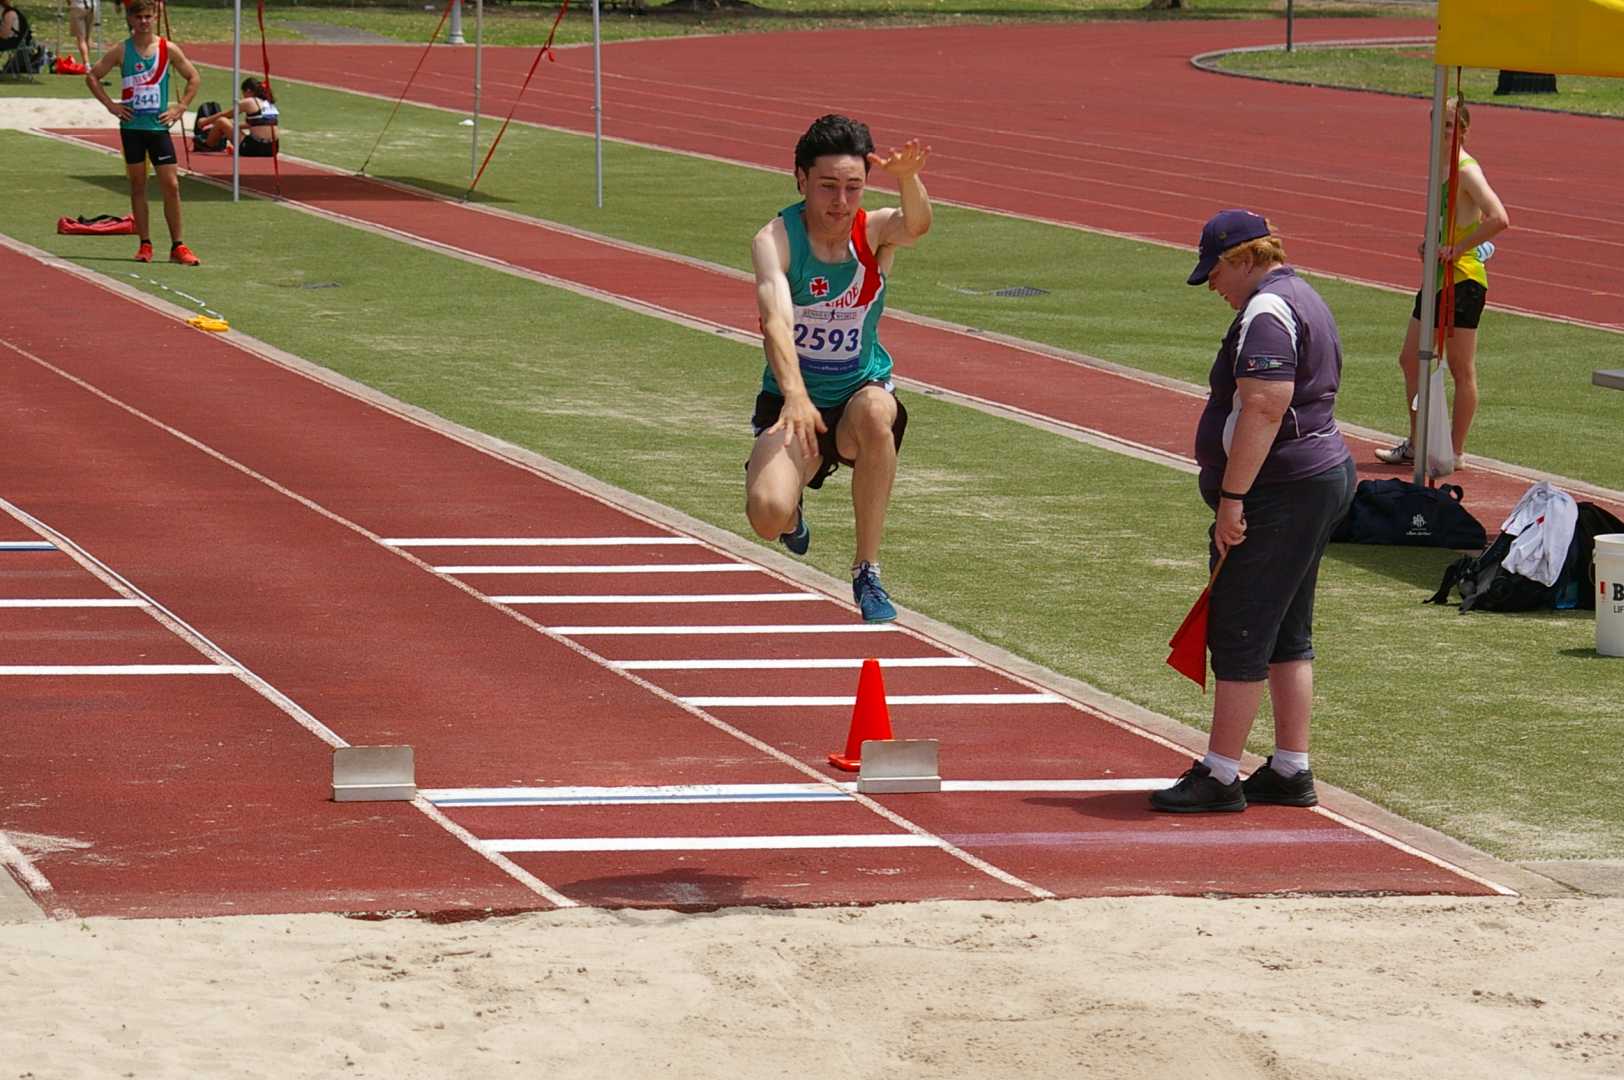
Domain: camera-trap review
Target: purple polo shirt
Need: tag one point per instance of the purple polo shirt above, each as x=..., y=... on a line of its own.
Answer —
x=1285, y=331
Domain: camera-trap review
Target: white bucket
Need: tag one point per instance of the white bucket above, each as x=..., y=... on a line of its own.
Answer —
x=1610, y=594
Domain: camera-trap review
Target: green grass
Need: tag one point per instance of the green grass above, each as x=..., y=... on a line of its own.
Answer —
x=529, y=23
x=1409, y=70
x=1453, y=721
x=1097, y=285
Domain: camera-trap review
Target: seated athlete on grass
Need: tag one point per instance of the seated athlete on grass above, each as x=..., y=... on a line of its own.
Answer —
x=827, y=397
x=260, y=124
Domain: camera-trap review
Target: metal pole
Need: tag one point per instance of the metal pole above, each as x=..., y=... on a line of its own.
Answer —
x=236, y=81
x=479, y=57
x=456, y=25
x=1289, y=20
x=597, y=99
x=1429, y=277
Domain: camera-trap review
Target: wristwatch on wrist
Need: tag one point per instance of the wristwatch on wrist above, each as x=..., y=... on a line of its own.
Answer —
x=1222, y=494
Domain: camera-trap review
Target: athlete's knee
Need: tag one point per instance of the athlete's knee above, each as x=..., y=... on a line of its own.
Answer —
x=873, y=418
x=770, y=512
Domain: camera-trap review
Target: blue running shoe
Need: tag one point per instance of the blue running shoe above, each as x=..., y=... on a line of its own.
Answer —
x=799, y=540
x=870, y=596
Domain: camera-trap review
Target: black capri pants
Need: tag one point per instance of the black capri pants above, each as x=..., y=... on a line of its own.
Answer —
x=1262, y=604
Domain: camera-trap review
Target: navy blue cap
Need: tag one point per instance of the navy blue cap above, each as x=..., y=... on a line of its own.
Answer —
x=1224, y=230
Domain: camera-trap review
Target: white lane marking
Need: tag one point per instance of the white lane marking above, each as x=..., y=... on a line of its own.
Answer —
x=687, y=794
x=609, y=568
x=788, y=628
x=661, y=598
x=110, y=601
x=494, y=857
x=116, y=669
x=27, y=545
x=674, y=794
x=536, y=541
x=714, y=843
x=798, y=663
x=893, y=699
x=1410, y=849
x=11, y=855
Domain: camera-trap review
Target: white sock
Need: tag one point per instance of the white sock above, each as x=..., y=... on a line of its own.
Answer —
x=1289, y=763
x=858, y=569
x=1224, y=769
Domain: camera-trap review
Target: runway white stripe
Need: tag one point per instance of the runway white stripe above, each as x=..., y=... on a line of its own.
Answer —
x=27, y=545
x=660, y=598
x=109, y=601
x=115, y=669
x=537, y=541
x=787, y=628
x=713, y=843
x=610, y=568
x=688, y=794
x=799, y=663
x=670, y=794
x=893, y=699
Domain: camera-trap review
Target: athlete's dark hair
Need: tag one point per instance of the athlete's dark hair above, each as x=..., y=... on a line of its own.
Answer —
x=833, y=134
x=258, y=89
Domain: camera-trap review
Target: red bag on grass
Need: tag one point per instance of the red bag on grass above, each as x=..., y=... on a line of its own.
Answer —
x=100, y=225
x=67, y=65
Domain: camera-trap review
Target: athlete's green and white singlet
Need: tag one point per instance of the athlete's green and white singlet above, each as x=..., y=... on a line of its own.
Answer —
x=146, y=86
x=837, y=311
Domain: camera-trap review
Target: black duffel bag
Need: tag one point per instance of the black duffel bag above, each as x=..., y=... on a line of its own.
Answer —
x=1399, y=512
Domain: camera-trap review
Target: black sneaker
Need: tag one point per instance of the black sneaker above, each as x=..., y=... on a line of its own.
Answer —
x=1267, y=786
x=1198, y=793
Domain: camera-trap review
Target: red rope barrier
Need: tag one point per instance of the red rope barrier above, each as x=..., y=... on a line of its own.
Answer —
x=185, y=143
x=547, y=51
x=443, y=16
x=276, y=139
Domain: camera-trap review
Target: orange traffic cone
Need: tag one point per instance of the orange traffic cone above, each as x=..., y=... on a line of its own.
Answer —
x=870, y=719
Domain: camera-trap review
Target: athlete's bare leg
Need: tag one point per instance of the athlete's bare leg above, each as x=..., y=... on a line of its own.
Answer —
x=864, y=437
x=1461, y=352
x=138, y=197
x=772, y=484
x=169, y=183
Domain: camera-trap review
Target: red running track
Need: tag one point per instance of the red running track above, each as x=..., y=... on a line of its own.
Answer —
x=279, y=522
x=1103, y=125
x=1119, y=407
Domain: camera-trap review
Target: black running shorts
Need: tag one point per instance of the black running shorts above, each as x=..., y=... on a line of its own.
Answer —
x=1469, y=300
x=140, y=145
x=769, y=405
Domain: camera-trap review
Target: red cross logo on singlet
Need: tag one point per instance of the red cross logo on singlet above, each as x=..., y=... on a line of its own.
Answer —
x=819, y=287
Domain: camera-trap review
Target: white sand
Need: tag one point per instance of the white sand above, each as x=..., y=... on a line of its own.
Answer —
x=1144, y=988
x=85, y=112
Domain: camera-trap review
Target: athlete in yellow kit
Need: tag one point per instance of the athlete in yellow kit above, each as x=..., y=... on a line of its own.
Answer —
x=1479, y=216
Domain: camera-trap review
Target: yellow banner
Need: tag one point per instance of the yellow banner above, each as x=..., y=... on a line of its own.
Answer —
x=1559, y=37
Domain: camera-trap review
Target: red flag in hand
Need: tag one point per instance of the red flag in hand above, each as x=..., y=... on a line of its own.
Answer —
x=1189, y=641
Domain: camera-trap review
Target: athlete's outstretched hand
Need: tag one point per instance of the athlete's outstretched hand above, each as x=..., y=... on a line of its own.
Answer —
x=902, y=163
